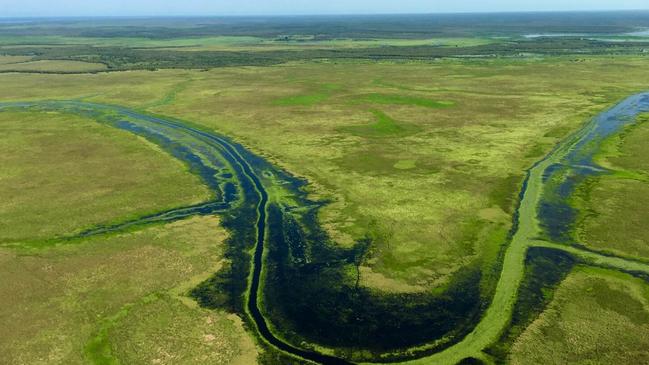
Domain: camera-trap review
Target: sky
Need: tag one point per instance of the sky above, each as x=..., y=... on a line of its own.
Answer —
x=21, y=8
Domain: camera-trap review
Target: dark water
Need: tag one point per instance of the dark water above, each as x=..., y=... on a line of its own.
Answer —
x=557, y=217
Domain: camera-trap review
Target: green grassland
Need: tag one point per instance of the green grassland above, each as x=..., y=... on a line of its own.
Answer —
x=597, y=316
x=613, y=207
x=119, y=299
x=63, y=173
x=428, y=165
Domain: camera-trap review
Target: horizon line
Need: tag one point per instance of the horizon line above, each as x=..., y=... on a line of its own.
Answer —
x=261, y=15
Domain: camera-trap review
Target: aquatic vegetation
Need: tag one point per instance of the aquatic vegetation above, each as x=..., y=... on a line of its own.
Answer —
x=296, y=247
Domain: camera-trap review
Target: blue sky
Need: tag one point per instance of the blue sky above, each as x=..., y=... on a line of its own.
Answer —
x=10, y=8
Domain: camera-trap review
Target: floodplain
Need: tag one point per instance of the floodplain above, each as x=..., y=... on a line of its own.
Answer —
x=390, y=171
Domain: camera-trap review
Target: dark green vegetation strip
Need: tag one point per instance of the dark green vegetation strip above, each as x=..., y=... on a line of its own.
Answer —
x=309, y=293
x=120, y=58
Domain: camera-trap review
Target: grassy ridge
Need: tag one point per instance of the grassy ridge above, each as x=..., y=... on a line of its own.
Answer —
x=234, y=43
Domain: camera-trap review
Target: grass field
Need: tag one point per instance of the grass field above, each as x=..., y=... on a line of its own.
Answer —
x=93, y=302
x=596, y=317
x=63, y=173
x=613, y=207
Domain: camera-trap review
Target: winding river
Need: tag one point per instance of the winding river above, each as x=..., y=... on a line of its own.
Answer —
x=239, y=181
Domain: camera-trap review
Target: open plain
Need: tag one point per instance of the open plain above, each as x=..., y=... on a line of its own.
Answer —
x=321, y=194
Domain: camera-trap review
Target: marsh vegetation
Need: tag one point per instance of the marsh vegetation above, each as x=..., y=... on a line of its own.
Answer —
x=393, y=161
